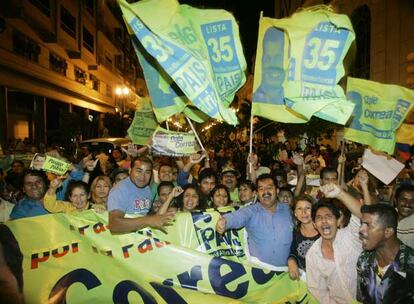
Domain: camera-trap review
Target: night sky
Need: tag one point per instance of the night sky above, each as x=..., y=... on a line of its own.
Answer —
x=247, y=16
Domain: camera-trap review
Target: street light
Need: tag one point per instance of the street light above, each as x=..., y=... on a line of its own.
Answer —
x=122, y=92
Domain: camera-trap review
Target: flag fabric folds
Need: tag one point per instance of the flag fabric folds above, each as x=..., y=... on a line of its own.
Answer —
x=144, y=123
x=380, y=109
x=299, y=64
x=189, y=56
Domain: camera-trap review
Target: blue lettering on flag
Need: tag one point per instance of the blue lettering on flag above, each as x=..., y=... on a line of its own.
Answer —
x=323, y=49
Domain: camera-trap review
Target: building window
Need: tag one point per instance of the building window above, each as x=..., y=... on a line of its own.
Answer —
x=108, y=60
x=42, y=5
x=88, y=40
x=361, y=21
x=57, y=63
x=95, y=82
x=25, y=46
x=118, y=62
x=80, y=75
x=67, y=22
x=108, y=90
x=90, y=7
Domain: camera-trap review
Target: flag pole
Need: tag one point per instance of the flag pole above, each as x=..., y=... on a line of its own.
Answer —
x=195, y=133
x=250, y=144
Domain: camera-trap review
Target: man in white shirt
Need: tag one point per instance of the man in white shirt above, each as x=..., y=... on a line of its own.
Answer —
x=331, y=261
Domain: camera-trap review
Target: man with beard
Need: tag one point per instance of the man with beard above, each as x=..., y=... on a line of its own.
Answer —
x=34, y=187
x=269, y=224
x=132, y=196
x=386, y=266
x=330, y=262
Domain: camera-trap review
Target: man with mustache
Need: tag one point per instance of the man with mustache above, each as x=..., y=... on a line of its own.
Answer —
x=269, y=224
x=331, y=260
x=386, y=266
x=404, y=197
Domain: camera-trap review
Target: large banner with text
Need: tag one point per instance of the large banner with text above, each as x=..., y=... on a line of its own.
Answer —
x=75, y=259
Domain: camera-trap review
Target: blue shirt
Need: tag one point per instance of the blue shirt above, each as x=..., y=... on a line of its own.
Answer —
x=269, y=234
x=27, y=207
x=130, y=199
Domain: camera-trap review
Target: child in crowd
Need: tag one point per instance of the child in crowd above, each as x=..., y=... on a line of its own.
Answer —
x=220, y=196
x=247, y=193
x=166, y=194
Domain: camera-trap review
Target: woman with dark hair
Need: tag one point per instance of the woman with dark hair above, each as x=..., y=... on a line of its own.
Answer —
x=189, y=200
x=220, y=196
x=304, y=235
x=119, y=156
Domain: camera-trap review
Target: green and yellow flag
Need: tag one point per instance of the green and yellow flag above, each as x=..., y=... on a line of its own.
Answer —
x=299, y=65
x=75, y=259
x=197, y=53
x=379, y=111
x=270, y=75
x=144, y=123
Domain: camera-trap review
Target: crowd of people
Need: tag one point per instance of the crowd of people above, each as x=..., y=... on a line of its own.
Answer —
x=322, y=216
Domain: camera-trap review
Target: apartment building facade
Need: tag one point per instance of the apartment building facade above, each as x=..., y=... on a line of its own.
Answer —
x=63, y=56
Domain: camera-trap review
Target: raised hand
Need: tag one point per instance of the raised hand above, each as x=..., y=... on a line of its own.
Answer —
x=55, y=183
x=176, y=191
x=196, y=158
x=297, y=159
x=252, y=159
x=331, y=190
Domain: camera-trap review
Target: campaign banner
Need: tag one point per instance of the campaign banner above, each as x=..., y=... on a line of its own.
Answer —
x=198, y=232
x=54, y=165
x=199, y=50
x=144, y=123
x=75, y=259
x=172, y=143
x=380, y=109
x=299, y=65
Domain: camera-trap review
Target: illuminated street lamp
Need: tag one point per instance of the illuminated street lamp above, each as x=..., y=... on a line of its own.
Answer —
x=121, y=93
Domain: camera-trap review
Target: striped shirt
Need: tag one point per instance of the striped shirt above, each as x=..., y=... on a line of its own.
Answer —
x=405, y=230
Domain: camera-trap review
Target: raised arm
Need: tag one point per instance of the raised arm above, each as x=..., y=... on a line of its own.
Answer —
x=252, y=161
x=50, y=202
x=174, y=193
x=298, y=161
x=334, y=191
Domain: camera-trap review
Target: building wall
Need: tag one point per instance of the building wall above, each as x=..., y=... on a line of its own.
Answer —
x=80, y=65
